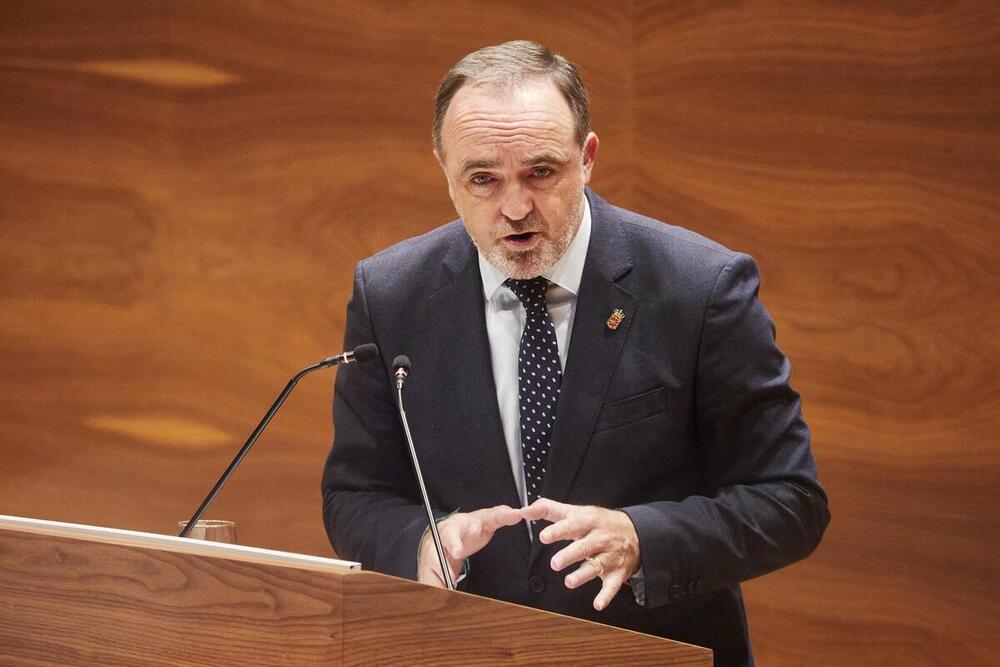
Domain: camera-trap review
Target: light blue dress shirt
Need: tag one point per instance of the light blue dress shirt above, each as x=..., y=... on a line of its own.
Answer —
x=505, y=322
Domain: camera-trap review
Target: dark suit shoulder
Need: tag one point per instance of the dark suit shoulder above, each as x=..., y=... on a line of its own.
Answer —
x=409, y=265
x=664, y=254
x=664, y=236
x=418, y=250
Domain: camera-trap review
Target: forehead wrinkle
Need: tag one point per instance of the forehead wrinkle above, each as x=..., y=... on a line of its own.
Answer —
x=548, y=130
x=471, y=112
x=486, y=138
x=542, y=139
x=500, y=121
x=502, y=124
x=512, y=138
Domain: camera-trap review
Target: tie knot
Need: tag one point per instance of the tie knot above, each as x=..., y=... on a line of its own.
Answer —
x=531, y=292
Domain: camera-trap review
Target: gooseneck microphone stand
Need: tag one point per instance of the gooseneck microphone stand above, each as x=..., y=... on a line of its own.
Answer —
x=401, y=370
x=359, y=354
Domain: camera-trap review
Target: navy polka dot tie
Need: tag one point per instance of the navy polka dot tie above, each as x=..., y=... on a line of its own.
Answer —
x=539, y=376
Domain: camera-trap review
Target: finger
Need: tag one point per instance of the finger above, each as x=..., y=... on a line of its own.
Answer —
x=472, y=535
x=612, y=584
x=573, y=553
x=573, y=527
x=498, y=517
x=449, y=544
x=452, y=539
x=472, y=531
x=545, y=509
x=581, y=575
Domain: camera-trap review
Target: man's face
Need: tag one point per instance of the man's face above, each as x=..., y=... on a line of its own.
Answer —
x=516, y=172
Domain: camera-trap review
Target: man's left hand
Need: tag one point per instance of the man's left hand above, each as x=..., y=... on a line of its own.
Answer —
x=605, y=540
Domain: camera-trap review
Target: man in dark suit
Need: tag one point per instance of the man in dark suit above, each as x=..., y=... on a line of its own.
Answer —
x=604, y=420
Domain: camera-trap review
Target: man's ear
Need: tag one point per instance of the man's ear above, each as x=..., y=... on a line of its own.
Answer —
x=590, y=146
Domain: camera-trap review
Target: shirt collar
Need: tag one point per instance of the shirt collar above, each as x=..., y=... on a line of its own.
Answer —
x=566, y=272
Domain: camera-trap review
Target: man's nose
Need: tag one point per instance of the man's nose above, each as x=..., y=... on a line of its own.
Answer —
x=515, y=203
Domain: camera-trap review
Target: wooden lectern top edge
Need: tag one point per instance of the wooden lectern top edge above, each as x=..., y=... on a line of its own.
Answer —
x=160, y=542
x=91, y=595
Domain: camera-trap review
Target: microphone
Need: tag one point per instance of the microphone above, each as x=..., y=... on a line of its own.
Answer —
x=401, y=371
x=359, y=354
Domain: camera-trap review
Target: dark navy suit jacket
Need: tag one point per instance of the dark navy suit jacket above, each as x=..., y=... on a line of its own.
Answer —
x=682, y=416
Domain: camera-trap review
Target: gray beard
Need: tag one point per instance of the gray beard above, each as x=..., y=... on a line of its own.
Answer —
x=522, y=265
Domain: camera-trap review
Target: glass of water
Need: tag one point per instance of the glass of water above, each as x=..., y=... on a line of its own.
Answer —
x=212, y=530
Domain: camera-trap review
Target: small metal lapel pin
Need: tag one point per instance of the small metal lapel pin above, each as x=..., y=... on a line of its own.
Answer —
x=616, y=318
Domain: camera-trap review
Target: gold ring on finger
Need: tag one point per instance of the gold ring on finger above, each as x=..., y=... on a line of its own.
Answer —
x=596, y=564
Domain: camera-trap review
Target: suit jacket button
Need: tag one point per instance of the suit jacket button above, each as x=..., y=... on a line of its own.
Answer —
x=536, y=584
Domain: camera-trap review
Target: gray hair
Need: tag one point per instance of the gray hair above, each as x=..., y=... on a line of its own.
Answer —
x=510, y=63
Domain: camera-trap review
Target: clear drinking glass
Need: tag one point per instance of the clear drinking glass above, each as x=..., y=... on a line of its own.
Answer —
x=212, y=530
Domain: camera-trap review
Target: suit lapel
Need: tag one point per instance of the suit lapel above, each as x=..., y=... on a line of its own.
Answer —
x=466, y=386
x=594, y=350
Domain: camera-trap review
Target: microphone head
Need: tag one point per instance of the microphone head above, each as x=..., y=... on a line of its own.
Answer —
x=365, y=352
x=402, y=362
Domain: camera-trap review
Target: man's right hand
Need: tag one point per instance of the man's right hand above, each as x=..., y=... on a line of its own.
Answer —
x=462, y=534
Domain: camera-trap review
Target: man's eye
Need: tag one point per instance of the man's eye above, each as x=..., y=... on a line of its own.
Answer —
x=541, y=172
x=481, y=179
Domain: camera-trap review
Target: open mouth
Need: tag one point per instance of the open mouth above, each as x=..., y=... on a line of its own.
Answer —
x=523, y=240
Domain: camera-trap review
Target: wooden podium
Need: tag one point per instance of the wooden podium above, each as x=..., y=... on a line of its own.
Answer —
x=82, y=595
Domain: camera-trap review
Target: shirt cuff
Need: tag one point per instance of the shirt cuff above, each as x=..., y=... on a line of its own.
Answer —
x=637, y=582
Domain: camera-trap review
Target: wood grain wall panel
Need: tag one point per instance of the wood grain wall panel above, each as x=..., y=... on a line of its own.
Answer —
x=186, y=188
x=854, y=150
